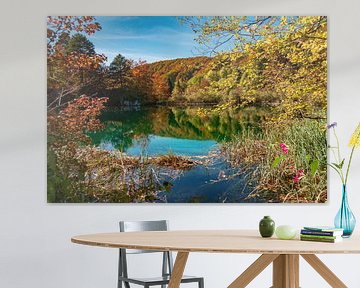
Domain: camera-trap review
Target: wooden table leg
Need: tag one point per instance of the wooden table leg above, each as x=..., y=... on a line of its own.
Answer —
x=253, y=270
x=178, y=269
x=286, y=271
x=324, y=271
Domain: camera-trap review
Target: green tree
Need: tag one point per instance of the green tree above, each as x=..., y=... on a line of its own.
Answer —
x=120, y=65
x=119, y=71
x=78, y=43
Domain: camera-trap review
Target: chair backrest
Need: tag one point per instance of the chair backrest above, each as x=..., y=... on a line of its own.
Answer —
x=134, y=226
x=137, y=226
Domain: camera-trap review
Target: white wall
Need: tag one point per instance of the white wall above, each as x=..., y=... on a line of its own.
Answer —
x=35, y=248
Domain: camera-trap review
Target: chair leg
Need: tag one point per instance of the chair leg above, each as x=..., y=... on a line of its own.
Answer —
x=201, y=283
x=165, y=266
x=126, y=284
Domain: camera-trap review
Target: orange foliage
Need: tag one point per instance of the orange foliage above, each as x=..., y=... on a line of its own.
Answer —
x=58, y=26
x=76, y=61
x=141, y=79
x=140, y=69
x=79, y=116
x=161, y=80
x=161, y=88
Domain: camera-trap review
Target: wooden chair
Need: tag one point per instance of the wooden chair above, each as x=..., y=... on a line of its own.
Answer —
x=167, y=263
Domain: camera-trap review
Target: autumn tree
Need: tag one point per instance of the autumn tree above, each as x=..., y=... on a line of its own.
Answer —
x=141, y=80
x=71, y=123
x=283, y=57
x=72, y=66
x=160, y=87
x=67, y=63
x=66, y=135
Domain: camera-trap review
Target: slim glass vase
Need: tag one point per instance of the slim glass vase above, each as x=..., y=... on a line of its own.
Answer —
x=345, y=219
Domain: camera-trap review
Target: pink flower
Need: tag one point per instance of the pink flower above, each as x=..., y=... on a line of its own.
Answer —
x=298, y=176
x=284, y=148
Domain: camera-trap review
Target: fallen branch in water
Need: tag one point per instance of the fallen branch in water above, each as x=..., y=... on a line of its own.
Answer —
x=175, y=162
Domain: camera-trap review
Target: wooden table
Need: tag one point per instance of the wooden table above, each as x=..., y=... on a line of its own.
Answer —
x=284, y=254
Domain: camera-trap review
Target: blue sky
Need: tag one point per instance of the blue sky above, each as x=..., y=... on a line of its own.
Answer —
x=150, y=38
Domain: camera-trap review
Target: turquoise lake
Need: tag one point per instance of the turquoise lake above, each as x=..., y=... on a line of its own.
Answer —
x=160, y=145
x=154, y=131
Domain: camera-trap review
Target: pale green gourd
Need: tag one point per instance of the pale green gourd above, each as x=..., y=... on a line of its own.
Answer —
x=285, y=232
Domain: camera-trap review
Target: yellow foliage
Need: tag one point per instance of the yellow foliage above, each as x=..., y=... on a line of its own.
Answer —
x=355, y=138
x=284, y=57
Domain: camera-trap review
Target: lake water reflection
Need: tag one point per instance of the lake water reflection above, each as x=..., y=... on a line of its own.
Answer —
x=184, y=131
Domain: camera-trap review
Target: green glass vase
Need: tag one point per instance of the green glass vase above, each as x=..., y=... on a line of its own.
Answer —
x=267, y=227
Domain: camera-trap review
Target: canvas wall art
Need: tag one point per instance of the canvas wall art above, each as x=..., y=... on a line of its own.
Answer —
x=220, y=109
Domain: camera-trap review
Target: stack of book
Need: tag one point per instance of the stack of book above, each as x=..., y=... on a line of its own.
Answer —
x=321, y=234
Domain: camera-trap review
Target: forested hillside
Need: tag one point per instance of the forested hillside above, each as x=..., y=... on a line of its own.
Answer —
x=164, y=81
x=196, y=80
x=172, y=78
x=285, y=68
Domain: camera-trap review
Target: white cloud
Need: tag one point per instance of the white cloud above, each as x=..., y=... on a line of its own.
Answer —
x=131, y=54
x=157, y=35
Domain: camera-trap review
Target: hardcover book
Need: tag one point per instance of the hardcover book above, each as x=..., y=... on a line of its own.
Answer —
x=324, y=239
x=323, y=228
x=321, y=233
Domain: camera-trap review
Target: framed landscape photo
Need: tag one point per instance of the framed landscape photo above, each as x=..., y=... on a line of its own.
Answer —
x=187, y=109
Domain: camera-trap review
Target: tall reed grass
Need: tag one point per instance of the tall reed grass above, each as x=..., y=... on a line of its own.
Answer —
x=255, y=153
